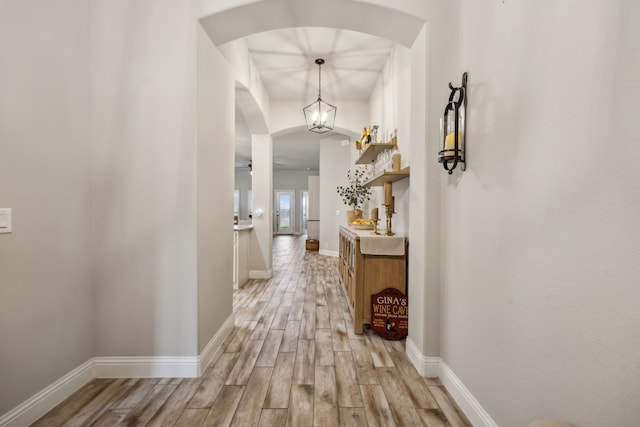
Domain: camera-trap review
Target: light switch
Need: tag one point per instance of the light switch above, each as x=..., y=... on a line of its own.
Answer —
x=5, y=220
x=338, y=213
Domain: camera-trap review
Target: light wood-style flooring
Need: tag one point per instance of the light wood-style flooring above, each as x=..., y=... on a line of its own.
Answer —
x=291, y=360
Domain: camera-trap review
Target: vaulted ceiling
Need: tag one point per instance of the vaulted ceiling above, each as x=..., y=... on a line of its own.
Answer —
x=285, y=60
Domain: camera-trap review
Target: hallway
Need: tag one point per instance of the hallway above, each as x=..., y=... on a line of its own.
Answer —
x=292, y=359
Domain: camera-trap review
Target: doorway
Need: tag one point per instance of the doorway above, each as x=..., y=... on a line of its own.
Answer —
x=285, y=208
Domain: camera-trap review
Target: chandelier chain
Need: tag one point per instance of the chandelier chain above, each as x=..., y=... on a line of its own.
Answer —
x=319, y=81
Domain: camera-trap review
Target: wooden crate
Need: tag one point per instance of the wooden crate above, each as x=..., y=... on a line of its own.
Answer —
x=313, y=245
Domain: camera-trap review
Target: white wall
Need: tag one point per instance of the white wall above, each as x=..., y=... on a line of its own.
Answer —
x=260, y=262
x=46, y=304
x=253, y=99
x=432, y=68
x=390, y=108
x=216, y=143
x=540, y=236
x=143, y=108
x=334, y=163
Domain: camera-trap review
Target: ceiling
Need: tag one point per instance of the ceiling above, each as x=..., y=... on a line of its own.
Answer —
x=285, y=60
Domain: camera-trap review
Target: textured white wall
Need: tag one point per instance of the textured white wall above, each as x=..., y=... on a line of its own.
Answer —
x=390, y=108
x=540, y=236
x=216, y=128
x=45, y=294
x=262, y=184
x=143, y=105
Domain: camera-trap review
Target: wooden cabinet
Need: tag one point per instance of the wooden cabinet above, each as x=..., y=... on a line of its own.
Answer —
x=363, y=275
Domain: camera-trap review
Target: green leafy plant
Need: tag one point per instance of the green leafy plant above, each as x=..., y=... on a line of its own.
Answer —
x=355, y=193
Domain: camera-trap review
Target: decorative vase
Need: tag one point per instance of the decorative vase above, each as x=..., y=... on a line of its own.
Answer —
x=353, y=215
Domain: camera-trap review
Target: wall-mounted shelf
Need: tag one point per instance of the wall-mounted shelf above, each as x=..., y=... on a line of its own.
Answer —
x=388, y=176
x=370, y=153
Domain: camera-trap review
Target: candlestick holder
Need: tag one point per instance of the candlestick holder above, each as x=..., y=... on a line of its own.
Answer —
x=390, y=211
x=375, y=227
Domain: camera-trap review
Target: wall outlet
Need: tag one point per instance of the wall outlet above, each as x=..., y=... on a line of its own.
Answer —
x=337, y=213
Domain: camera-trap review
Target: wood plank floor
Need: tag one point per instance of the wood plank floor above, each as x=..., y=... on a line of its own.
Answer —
x=292, y=359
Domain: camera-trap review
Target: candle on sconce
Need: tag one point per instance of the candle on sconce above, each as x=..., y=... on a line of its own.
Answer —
x=374, y=214
x=388, y=193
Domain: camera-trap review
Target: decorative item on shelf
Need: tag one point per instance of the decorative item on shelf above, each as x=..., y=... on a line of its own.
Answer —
x=365, y=139
x=356, y=193
x=452, y=129
x=395, y=159
x=374, y=134
x=320, y=115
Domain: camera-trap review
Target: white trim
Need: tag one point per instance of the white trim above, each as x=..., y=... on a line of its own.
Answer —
x=427, y=366
x=115, y=367
x=327, y=252
x=260, y=274
x=146, y=367
x=214, y=348
x=49, y=397
x=463, y=397
x=431, y=367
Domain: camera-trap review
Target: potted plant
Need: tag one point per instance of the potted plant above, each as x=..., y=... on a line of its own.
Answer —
x=355, y=194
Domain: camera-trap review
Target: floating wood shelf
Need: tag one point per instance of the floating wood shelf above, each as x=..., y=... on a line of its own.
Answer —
x=370, y=153
x=387, y=176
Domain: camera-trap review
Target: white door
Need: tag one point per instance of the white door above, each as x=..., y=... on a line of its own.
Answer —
x=285, y=218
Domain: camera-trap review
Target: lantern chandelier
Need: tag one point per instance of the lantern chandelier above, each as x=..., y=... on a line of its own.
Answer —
x=320, y=115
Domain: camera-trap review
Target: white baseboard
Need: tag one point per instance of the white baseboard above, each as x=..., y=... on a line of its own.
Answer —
x=463, y=397
x=49, y=397
x=260, y=274
x=435, y=367
x=327, y=252
x=214, y=347
x=146, y=367
x=427, y=366
x=115, y=367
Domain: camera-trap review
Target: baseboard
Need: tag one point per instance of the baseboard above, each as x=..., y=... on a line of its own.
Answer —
x=214, y=347
x=465, y=400
x=435, y=367
x=327, y=252
x=49, y=397
x=115, y=367
x=260, y=274
x=427, y=366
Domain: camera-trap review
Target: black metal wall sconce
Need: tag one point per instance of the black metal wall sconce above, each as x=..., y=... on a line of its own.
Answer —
x=452, y=129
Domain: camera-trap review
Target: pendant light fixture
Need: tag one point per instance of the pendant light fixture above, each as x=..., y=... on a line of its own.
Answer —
x=320, y=115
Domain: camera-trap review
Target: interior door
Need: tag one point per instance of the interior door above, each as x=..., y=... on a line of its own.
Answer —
x=285, y=218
